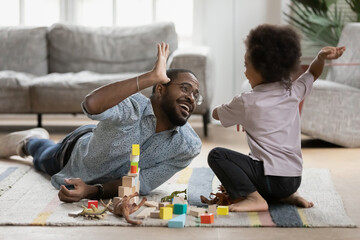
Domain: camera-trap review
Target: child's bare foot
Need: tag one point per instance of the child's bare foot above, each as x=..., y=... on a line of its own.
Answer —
x=252, y=202
x=296, y=199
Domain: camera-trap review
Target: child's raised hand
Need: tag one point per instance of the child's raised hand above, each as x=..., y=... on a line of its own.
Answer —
x=329, y=53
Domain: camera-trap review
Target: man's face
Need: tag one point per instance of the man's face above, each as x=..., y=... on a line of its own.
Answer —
x=178, y=101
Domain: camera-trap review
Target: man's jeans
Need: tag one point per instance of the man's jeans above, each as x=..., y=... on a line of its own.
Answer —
x=50, y=157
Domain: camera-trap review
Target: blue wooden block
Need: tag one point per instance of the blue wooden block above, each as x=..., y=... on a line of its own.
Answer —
x=177, y=222
x=180, y=208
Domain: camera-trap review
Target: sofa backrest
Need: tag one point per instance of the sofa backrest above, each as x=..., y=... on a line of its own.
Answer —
x=107, y=49
x=23, y=49
x=346, y=69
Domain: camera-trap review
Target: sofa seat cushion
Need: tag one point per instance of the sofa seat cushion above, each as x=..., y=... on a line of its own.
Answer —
x=63, y=93
x=24, y=49
x=332, y=113
x=14, y=92
x=107, y=49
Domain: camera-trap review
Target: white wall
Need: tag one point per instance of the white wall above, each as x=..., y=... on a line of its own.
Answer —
x=223, y=25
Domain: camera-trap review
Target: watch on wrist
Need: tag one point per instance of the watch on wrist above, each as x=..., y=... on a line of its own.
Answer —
x=100, y=188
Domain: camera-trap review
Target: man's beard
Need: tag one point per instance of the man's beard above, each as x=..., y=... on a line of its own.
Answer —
x=173, y=116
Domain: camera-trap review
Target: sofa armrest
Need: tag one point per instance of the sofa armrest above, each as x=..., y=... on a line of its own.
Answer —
x=196, y=59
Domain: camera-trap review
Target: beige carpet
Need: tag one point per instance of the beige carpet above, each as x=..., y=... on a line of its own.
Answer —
x=28, y=198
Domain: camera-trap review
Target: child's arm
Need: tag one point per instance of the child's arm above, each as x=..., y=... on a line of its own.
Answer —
x=326, y=53
x=215, y=114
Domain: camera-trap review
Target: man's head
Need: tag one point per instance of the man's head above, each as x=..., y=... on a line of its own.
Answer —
x=274, y=52
x=178, y=98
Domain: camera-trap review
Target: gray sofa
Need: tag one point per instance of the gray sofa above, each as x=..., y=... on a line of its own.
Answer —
x=50, y=70
x=332, y=111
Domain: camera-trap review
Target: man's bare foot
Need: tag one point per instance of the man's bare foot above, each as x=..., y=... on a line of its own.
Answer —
x=296, y=199
x=252, y=202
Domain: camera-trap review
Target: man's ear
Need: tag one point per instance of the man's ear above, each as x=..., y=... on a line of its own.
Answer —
x=159, y=89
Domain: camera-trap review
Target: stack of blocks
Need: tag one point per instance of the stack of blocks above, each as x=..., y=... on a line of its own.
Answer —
x=130, y=183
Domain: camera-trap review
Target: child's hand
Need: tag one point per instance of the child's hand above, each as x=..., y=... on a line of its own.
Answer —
x=329, y=53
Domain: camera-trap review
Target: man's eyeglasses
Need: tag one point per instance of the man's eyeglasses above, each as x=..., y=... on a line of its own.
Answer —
x=188, y=90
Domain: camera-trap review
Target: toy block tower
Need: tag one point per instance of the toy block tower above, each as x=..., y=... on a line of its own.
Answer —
x=130, y=183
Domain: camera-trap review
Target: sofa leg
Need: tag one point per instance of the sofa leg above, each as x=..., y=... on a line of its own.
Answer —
x=39, y=120
x=206, y=120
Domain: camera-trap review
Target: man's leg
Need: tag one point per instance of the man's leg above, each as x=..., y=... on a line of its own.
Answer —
x=238, y=172
x=44, y=153
x=13, y=143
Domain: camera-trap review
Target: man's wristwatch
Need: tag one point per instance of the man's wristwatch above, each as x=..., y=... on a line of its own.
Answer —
x=100, y=188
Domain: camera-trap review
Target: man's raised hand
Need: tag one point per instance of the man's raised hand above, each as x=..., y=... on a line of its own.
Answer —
x=160, y=65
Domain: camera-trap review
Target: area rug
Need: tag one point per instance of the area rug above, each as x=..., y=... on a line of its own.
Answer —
x=28, y=198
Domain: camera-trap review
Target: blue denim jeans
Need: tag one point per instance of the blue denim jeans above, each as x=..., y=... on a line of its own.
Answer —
x=50, y=157
x=45, y=155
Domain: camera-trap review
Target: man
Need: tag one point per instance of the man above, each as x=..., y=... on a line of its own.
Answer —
x=100, y=154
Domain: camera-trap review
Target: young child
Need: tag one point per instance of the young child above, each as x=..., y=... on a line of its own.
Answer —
x=269, y=113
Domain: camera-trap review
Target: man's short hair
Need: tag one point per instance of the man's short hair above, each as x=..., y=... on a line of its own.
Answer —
x=173, y=74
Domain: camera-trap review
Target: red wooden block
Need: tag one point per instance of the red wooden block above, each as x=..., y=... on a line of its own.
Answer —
x=207, y=218
x=92, y=202
x=133, y=169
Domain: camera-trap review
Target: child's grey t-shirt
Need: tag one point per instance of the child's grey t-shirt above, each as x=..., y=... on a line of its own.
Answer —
x=270, y=116
x=104, y=154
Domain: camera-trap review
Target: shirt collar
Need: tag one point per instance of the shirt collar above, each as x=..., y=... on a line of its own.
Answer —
x=264, y=87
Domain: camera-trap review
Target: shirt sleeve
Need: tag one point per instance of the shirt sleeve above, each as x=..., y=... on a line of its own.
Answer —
x=127, y=110
x=302, y=86
x=232, y=113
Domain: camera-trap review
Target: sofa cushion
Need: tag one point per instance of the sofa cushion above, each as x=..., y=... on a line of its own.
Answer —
x=64, y=92
x=332, y=113
x=347, y=68
x=107, y=49
x=23, y=49
x=14, y=92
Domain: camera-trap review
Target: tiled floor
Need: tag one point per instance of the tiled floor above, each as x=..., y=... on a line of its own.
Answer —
x=343, y=163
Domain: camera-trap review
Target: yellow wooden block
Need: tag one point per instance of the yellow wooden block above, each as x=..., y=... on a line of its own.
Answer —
x=166, y=212
x=136, y=149
x=223, y=210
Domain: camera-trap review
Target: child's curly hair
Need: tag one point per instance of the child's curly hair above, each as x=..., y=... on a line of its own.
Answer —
x=275, y=52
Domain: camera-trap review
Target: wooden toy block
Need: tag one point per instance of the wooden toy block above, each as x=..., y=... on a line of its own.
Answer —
x=180, y=208
x=223, y=210
x=135, y=149
x=212, y=209
x=177, y=222
x=133, y=174
x=134, y=158
x=134, y=164
x=178, y=200
x=133, y=189
x=197, y=212
x=163, y=204
x=92, y=202
x=166, y=212
x=155, y=214
x=133, y=169
x=145, y=212
x=207, y=218
x=151, y=204
x=138, y=185
x=116, y=200
x=134, y=200
x=128, y=181
x=124, y=191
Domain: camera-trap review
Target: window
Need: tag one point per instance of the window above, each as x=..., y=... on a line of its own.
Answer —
x=96, y=13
